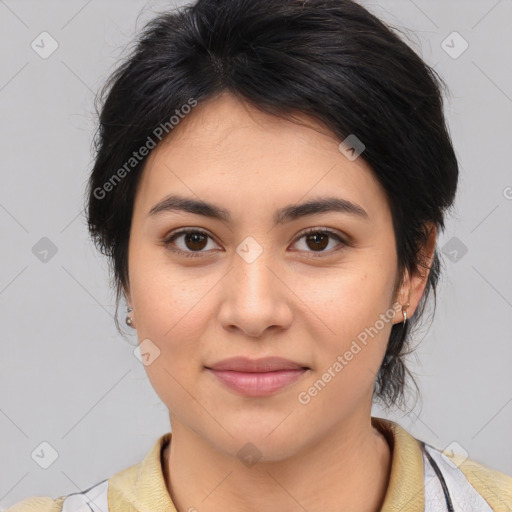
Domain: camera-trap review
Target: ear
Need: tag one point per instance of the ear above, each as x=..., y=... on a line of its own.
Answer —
x=413, y=286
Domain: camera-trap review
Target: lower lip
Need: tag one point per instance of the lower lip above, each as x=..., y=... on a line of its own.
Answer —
x=257, y=384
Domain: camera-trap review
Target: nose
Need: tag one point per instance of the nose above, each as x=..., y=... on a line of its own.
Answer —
x=255, y=297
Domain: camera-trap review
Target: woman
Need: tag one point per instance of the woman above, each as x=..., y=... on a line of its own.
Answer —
x=270, y=180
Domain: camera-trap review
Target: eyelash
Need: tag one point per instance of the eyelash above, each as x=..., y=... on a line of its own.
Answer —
x=198, y=254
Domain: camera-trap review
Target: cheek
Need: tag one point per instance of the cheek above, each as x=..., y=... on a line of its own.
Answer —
x=171, y=315
x=168, y=302
x=349, y=354
x=348, y=299
x=353, y=312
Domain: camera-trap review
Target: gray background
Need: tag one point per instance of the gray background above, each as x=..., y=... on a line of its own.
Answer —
x=69, y=379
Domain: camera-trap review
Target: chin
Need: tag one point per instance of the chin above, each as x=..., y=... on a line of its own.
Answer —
x=265, y=443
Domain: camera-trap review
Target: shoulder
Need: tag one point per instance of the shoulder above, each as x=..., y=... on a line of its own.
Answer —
x=93, y=499
x=139, y=483
x=468, y=481
x=38, y=504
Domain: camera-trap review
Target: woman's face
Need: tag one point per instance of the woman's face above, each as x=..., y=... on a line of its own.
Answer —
x=248, y=286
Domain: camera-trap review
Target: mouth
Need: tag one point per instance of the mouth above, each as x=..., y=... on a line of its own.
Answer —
x=257, y=377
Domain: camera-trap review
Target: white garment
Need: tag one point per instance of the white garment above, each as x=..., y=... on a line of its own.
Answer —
x=92, y=500
x=463, y=495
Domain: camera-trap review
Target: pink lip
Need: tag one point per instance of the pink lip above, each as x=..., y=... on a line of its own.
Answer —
x=257, y=377
x=257, y=383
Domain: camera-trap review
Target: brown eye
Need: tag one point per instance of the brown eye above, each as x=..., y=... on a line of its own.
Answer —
x=317, y=240
x=195, y=241
x=192, y=242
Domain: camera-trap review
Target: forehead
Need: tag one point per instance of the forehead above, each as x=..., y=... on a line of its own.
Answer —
x=228, y=150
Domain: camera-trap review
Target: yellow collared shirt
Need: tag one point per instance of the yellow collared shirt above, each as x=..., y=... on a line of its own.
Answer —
x=422, y=479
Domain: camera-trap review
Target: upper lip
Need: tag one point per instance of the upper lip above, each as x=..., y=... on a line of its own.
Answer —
x=265, y=364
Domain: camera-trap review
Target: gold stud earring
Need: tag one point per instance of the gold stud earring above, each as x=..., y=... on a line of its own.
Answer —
x=404, y=312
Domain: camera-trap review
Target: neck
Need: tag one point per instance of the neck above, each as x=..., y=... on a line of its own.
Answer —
x=347, y=470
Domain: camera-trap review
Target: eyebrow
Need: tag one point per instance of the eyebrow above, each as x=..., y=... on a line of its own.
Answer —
x=291, y=212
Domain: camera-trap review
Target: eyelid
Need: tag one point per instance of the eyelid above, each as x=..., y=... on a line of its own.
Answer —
x=343, y=241
x=321, y=229
x=183, y=231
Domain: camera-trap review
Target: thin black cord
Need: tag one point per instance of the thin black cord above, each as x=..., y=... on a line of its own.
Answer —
x=449, y=503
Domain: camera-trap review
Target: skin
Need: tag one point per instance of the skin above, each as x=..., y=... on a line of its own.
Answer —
x=293, y=301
